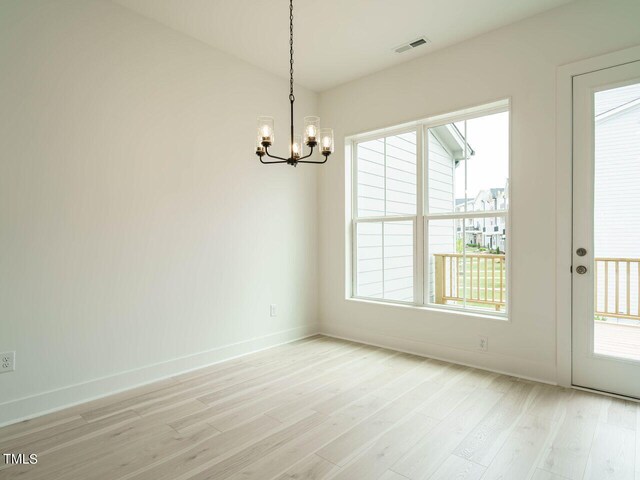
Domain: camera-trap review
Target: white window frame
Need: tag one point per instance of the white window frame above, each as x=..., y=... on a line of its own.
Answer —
x=422, y=216
x=355, y=220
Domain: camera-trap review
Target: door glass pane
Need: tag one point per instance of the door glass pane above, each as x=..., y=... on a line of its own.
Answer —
x=617, y=221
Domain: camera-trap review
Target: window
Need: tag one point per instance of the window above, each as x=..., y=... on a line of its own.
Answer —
x=385, y=223
x=430, y=210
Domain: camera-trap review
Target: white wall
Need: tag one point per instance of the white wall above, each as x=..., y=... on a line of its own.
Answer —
x=139, y=235
x=518, y=61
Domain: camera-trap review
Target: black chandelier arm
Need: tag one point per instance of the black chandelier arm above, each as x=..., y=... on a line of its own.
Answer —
x=269, y=163
x=306, y=156
x=282, y=160
x=326, y=157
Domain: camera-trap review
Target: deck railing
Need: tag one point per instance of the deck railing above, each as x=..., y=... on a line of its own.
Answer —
x=617, y=287
x=481, y=278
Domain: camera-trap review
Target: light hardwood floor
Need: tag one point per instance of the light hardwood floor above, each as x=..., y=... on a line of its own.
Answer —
x=324, y=408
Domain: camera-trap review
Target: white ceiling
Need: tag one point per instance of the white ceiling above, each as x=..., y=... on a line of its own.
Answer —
x=335, y=40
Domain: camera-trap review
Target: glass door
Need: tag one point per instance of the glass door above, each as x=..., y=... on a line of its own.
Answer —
x=606, y=230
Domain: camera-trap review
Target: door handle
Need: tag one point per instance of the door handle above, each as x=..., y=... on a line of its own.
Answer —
x=581, y=252
x=581, y=269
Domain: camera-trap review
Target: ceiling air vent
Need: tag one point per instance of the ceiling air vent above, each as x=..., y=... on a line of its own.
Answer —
x=413, y=44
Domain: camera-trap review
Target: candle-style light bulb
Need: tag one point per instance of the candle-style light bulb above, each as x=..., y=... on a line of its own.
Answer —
x=296, y=147
x=326, y=141
x=265, y=131
x=311, y=131
x=311, y=127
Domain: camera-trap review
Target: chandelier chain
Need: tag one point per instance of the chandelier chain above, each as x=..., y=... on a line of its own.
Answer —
x=291, y=96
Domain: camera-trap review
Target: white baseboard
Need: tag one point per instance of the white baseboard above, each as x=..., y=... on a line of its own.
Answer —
x=46, y=402
x=497, y=363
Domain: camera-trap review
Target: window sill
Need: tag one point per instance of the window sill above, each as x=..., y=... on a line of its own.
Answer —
x=447, y=311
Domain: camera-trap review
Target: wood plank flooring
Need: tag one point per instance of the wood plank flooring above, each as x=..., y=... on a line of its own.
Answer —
x=322, y=408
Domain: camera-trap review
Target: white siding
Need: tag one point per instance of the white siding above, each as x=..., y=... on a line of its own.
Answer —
x=387, y=176
x=617, y=185
x=385, y=260
x=441, y=175
x=441, y=171
x=386, y=186
x=371, y=180
x=401, y=162
x=398, y=261
x=617, y=193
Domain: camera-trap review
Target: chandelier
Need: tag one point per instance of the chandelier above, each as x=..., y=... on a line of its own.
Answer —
x=313, y=134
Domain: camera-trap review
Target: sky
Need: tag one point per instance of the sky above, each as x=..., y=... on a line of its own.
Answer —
x=489, y=167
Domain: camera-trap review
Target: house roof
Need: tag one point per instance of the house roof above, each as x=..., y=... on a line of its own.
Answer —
x=618, y=110
x=492, y=193
x=453, y=140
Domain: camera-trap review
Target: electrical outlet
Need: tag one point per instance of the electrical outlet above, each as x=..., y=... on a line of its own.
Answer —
x=273, y=310
x=483, y=343
x=7, y=362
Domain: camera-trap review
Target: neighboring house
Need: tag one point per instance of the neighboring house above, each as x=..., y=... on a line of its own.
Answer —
x=447, y=147
x=489, y=232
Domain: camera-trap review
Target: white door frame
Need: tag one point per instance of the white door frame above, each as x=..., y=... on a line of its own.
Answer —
x=564, y=195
